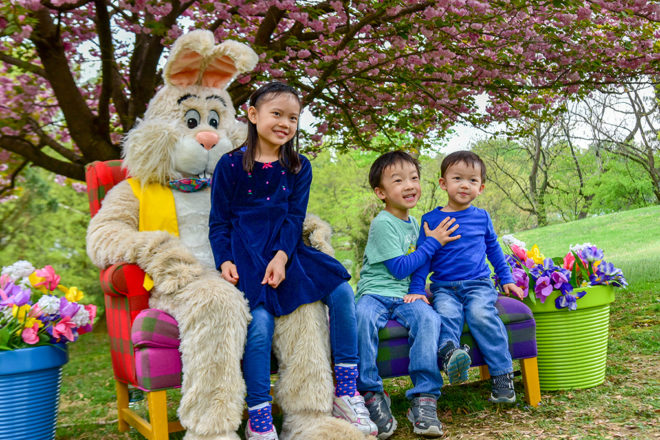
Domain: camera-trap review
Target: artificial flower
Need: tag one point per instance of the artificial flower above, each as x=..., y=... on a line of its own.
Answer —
x=51, y=319
x=31, y=334
x=20, y=312
x=583, y=266
x=543, y=288
x=73, y=294
x=45, y=279
x=519, y=252
x=49, y=304
x=535, y=254
x=64, y=328
x=569, y=260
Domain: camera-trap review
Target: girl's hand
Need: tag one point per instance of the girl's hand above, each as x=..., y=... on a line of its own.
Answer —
x=509, y=288
x=229, y=272
x=443, y=231
x=411, y=297
x=275, y=271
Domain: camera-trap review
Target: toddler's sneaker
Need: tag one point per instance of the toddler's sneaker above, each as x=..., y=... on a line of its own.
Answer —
x=423, y=414
x=352, y=409
x=502, y=391
x=455, y=362
x=252, y=435
x=380, y=412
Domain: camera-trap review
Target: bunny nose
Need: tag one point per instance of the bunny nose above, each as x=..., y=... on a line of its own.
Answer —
x=207, y=139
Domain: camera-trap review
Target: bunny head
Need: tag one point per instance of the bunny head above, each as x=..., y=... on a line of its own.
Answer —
x=191, y=122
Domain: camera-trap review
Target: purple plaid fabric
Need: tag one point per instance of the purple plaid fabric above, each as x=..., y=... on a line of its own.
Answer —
x=393, y=348
x=155, y=336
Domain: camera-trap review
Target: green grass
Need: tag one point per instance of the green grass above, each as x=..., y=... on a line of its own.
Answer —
x=625, y=406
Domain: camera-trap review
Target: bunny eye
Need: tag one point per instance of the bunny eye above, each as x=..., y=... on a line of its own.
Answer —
x=214, y=119
x=192, y=118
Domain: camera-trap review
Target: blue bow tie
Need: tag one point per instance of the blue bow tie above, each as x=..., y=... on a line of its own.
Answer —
x=190, y=184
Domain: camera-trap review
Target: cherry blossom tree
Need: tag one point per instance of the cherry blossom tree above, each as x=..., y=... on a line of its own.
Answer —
x=76, y=74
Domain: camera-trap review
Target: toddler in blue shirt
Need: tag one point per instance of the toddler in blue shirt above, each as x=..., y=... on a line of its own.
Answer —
x=460, y=280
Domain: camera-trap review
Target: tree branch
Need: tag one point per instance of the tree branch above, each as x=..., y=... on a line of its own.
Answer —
x=23, y=65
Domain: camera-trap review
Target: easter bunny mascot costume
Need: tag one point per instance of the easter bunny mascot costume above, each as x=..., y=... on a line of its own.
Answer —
x=158, y=219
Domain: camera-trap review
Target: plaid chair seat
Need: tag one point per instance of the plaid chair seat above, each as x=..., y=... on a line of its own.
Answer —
x=393, y=348
x=155, y=337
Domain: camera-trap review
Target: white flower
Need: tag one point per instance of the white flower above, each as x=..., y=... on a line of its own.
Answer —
x=510, y=240
x=49, y=304
x=579, y=247
x=6, y=313
x=81, y=317
x=20, y=269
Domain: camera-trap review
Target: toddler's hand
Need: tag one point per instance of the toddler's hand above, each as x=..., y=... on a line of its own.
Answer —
x=508, y=288
x=443, y=231
x=412, y=297
x=229, y=272
x=275, y=271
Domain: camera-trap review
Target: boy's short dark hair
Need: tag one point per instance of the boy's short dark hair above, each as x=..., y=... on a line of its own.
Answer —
x=467, y=157
x=386, y=160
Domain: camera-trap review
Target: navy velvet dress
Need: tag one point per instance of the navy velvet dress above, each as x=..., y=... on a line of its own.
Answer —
x=253, y=215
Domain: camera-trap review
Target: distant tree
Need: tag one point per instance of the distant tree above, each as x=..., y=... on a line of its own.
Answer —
x=77, y=74
x=625, y=121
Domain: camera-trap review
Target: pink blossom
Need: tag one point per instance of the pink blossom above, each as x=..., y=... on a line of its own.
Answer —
x=569, y=260
x=91, y=309
x=30, y=335
x=519, y=252
x=64, y=328
x=51, y=279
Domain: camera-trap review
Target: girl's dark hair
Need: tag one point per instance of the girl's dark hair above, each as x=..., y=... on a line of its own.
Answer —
x=468, y=158
x=387, y=160
x=289, y=151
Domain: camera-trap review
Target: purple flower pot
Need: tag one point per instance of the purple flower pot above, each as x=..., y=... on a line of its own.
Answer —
x=29, y=391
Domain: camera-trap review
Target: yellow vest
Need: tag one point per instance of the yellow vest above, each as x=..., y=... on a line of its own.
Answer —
x=157, y=212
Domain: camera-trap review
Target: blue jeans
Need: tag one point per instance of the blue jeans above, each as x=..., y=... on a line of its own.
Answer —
x=256, y=359
x=423, y=324
x=473, y=301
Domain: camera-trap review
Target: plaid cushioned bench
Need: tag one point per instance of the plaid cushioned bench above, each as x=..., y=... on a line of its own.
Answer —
x=393, y=346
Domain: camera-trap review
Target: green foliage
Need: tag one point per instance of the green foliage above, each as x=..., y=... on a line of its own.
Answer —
x=622, y=185
x=47, y=225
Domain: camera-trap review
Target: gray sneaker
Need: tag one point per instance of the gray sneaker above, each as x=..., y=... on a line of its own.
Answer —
x=455, y=362
x=423, y=414
x=379, y=405
x=502, y=391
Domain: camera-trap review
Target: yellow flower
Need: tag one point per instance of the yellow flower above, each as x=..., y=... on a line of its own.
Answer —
x=31, y=321
x=35, y=279
x=535, y=254
x=20, y=312
x=73, y=294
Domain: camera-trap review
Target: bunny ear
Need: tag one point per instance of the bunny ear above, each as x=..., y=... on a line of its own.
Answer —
x=185, y=68
x=219, y=72
x=186, y=60
x=226, y=61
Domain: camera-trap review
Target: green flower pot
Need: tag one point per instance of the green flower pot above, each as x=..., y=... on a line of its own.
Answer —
x=572, y=344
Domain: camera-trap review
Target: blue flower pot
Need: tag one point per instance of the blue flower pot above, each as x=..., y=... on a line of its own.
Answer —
x=29, y=391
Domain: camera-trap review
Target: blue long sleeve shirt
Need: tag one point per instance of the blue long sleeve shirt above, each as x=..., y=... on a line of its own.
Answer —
x=404, y=265
x=465, y=258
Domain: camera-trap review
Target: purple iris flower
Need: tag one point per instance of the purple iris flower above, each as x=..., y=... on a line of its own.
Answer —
x=569, y=300
x=592, y=253
x=521, y=279
x=566, y=288
x=13, y=294
x=558, y=279
x=606, y=273
x=67, y=308
x=543, y=288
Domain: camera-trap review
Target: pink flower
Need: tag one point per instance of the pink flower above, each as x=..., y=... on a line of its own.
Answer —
x=64, y=328
x=518, y=252
x=50, y=278
x=30, y=334
x=569, y=260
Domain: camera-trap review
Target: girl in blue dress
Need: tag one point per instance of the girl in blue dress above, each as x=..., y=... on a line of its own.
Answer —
x=258, y=204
